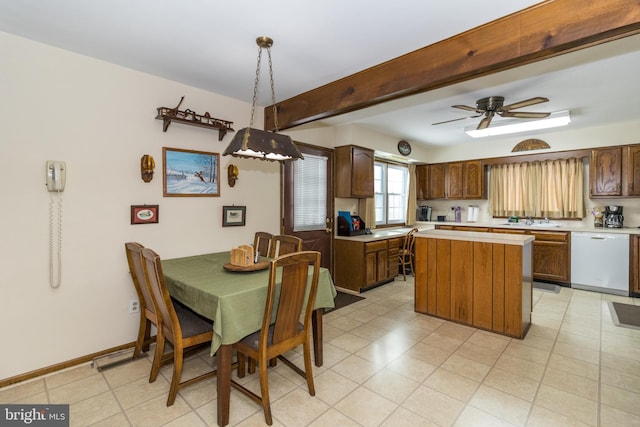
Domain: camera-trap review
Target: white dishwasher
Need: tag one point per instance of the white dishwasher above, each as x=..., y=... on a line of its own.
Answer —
x=600, y=262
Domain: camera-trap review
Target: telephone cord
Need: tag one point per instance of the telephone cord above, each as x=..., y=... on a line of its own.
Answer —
x=52, y=237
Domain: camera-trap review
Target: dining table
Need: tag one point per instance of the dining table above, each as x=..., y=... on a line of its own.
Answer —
x=234, y=299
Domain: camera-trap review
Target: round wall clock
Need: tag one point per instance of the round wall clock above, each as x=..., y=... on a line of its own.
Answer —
x=404, y=148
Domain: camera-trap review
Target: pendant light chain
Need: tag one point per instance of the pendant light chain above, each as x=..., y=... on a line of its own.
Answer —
x=255, y=87
x=273, y=92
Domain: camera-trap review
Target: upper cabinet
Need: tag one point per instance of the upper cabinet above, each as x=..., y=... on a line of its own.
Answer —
x=456, y=180
x=631, y=162
x=615, y=172
x=354, y=171
x=606, y=172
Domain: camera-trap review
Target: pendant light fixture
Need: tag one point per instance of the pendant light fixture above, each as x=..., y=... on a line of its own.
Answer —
x=260, y=144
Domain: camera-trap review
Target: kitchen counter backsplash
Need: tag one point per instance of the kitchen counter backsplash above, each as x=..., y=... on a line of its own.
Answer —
x=631, y=213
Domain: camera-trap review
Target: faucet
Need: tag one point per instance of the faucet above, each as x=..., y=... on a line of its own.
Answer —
x=529, y=221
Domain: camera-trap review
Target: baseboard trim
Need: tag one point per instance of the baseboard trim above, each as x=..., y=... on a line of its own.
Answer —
x=63, y=365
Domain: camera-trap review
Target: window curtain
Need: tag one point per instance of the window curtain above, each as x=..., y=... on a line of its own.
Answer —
x=553, y=189
x=411, y=196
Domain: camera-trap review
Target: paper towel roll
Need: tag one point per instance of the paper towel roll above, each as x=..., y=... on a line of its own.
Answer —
x=470, y=214
x=476, y=213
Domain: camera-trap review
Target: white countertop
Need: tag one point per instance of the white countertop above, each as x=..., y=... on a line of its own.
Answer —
x=556, y=225
x=387, y=233
x=476, y=236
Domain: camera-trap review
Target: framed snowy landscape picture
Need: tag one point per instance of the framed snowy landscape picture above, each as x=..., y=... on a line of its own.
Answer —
x=190, y=173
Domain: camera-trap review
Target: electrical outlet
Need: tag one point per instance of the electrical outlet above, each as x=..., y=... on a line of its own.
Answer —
x=134, y=306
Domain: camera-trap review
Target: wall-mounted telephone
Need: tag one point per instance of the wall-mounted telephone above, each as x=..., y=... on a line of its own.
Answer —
x=56, y=175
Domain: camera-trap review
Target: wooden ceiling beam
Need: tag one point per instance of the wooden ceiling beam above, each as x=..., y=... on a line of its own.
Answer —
x=540, y=32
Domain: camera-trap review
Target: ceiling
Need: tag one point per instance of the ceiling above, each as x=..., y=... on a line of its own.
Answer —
x=211, y=45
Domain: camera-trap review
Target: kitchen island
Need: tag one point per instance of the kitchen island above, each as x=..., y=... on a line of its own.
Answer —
x=478, y=279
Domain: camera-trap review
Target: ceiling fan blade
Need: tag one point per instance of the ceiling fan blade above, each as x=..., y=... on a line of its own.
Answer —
x=455, y=120
x=524, y=114
x=484, y=123
x=466, y=107
x=525, y=103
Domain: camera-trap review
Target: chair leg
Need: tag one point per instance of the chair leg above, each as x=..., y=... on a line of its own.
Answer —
x=177, y=373
x=241, y=365
x=264, y=390
x=157, y=357
x=142, y=332
x=307, y=367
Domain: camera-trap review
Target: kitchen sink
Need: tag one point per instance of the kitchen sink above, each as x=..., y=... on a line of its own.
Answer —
x=545, y=224
x=535, y=224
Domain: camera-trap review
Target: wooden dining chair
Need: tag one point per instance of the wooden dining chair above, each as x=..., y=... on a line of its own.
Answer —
x=177, y=324
x=284, y=244
x=147, y=311
x=273, y=340
x=406, y=253
x=262, y=242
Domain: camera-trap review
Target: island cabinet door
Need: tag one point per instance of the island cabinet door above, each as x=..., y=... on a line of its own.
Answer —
x=426, y=280
x=461, y=281
x=483, y=285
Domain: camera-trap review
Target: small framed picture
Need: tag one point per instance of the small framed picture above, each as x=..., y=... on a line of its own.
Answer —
x=144, y=214
x=190, y=173
x=233, y=215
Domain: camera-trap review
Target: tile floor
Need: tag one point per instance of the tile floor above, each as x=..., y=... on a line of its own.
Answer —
x=388, y=366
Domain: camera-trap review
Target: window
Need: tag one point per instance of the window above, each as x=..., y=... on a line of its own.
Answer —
x=391, y=183
x=552, y=189
x=310, y=193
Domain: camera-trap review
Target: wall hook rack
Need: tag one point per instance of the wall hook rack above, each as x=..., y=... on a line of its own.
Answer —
x=188, y=117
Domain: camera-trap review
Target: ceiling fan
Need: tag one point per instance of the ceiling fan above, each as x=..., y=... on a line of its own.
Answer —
x=492, y=105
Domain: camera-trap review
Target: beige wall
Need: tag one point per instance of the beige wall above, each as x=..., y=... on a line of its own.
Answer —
x=100, y=119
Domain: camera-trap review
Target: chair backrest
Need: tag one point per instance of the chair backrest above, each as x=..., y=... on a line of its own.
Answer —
x=409, y=240
x=134, y=258
x=294, y=295
x=167, y=317
x=261, y=242
x=284, y=244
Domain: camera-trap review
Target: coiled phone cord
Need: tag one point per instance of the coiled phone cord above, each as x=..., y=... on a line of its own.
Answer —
x=53, y=281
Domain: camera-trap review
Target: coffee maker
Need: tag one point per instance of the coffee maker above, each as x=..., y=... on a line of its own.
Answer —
x=613, y=216
x=423, y=213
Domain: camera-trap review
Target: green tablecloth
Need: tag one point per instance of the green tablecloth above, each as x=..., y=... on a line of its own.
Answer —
x=233, y=300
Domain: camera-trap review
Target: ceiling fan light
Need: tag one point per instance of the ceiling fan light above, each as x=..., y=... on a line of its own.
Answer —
x=556, y=119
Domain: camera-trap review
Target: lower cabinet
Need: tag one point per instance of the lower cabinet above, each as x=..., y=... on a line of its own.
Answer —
x=479, y=284
x=552, y=256
x=363, y=265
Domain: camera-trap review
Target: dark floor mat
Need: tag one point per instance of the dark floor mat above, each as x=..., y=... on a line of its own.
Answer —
x=625, y=315
x=344, y=299
x=546, y=287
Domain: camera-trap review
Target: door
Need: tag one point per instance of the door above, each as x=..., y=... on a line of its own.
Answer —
x=307, y=210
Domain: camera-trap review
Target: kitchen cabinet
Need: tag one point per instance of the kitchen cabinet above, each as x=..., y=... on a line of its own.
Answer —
x=605, y=172
x=455, y=184
x=483, y=284
x=393, y=248
x=437, y=181
x=431, y=181
x=363, y=265
x=354, y=171
x=631, y=169
x=455, y=180
x=552, y=256
x=422, y=182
